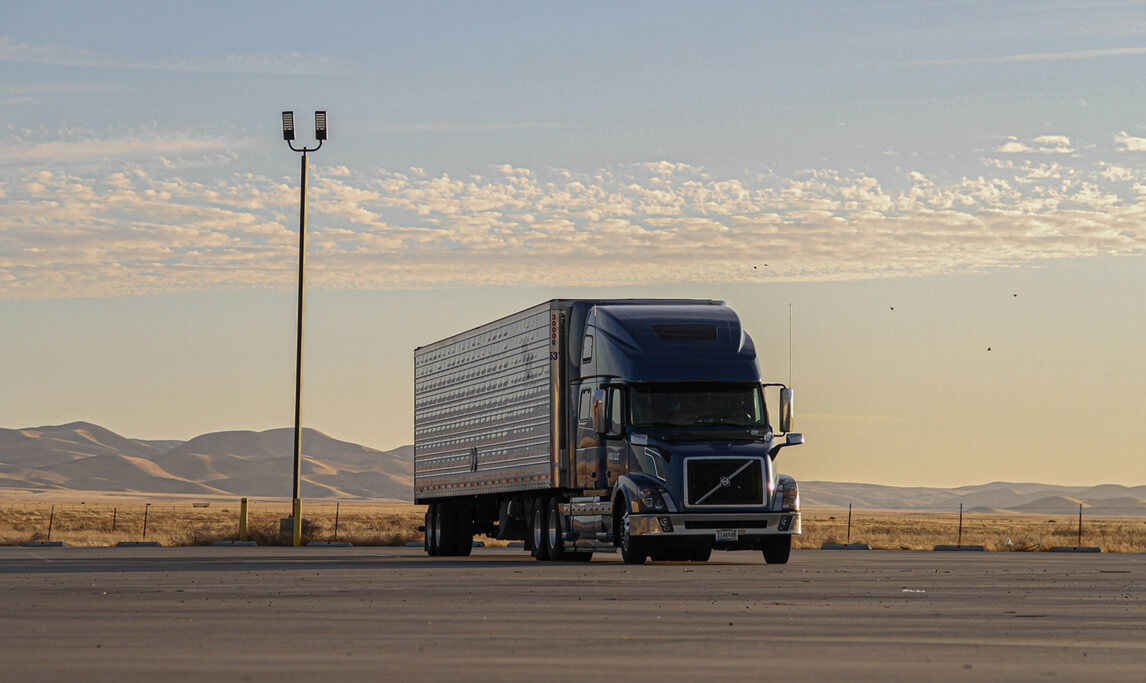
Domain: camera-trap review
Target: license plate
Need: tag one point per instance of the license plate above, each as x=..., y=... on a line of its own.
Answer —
x=728, y=534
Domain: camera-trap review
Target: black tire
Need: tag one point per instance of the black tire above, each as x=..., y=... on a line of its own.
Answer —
x=431, y=540
x=540, y=515
x=633, y=550
x=463, y=530
x=700, y=554
x=554, y=533
x=777, y=549
x=444, y=529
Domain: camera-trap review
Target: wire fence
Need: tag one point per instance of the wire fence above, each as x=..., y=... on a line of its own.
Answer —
x=199, y=523
x=1109, y=528
x=1059, y=527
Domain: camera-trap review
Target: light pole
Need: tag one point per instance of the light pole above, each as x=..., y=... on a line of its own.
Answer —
x=320, y=136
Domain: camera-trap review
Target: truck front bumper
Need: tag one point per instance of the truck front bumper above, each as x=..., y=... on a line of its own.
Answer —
x=716, y=526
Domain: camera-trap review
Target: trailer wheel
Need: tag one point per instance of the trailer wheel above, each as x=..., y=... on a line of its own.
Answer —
x=432, y=532
x=540, y=549
x=777, y=549
x=633, y=550
x=554, y=538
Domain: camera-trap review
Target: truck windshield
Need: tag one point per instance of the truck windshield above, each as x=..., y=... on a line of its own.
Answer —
x=688, y=404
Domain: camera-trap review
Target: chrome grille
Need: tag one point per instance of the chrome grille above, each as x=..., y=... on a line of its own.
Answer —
x=712, y=482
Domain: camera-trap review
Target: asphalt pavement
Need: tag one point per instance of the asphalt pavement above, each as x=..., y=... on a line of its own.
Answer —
x=335, y=614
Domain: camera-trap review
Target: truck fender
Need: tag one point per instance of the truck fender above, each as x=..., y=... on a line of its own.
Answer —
x=624, y=492
x=630, y=487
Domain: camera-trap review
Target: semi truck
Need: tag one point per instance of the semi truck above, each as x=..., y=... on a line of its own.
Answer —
x=595, y=425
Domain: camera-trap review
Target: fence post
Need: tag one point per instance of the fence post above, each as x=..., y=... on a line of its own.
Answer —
x=51, y=518
x=146, y=509
x=114, y=512
x=243, y=520
x=960, y=524
x=336, y=507
x=849, y=523
x=1080, y=525
x=296, y=514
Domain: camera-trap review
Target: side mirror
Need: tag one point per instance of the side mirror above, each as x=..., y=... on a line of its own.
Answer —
x=786, y=408
x=790, y=439
x=614, y=422
x=599, y=416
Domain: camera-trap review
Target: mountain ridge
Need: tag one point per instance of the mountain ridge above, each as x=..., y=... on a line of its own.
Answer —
x=85, y=457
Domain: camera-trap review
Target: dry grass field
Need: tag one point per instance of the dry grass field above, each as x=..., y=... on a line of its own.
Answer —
x=899, y=530
x=182, y=522
x=186, y=523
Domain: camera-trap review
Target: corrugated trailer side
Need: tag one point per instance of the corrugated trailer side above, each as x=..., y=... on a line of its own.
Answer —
x=485, y=407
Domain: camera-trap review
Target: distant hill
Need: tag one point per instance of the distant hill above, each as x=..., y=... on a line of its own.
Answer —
x=84, y=457
x=81, y=456
x=996, y=498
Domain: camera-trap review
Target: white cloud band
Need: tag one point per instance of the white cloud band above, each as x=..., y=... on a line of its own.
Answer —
x=64, y=235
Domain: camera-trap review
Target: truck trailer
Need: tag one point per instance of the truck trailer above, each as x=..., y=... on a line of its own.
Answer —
x=592, y=425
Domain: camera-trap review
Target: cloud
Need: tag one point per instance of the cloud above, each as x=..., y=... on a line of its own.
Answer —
x=128, y=147
x=1128, y=143
x=261, y=63
x=466, y=126
x=89, y=233
x=1042, y=144
x=1062, y=56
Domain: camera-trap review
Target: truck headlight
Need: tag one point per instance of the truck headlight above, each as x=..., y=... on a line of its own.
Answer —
x=653, y=499
x=789, y=495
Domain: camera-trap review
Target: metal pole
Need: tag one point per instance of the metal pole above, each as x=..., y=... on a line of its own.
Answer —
x=849, y=523
x=960, y=524
x=114, y=512
x=1079, y=525
x=296, y=498
x=243, y=520
x=146, y=509
x=336, y=508
x=51, y=518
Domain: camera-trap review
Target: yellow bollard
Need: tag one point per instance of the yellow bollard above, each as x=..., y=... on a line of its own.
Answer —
x=297, y=521
x=243, y=520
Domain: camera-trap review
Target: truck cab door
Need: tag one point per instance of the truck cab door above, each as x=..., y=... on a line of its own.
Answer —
x=616, y=442
x=589, y=452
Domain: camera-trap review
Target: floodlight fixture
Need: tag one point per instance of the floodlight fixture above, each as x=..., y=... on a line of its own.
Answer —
x=320, y=125
x=288, y=125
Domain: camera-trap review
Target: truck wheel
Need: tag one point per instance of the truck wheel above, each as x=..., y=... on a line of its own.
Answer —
x=777, y=549
x=445, y=536
x=430, y=541
x=463, y=530
x=699, y=554
x=540, y=550
x=633, y=550
x=554, y=536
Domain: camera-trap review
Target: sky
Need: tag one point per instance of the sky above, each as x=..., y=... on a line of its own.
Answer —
x=945, y=200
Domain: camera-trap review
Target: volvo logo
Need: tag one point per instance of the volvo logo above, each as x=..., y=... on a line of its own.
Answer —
x=725, y=481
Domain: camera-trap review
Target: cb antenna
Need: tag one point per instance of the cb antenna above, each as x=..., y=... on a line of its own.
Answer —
x=789, y=344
